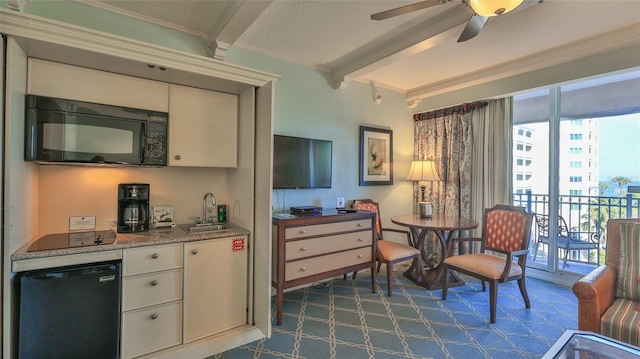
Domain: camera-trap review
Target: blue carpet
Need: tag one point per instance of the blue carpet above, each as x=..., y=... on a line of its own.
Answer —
x=343, y=319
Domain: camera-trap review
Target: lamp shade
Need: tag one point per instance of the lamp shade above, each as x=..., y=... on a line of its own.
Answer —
x=493, y=7
x=423, y=171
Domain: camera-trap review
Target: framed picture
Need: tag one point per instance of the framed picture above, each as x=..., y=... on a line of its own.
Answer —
x=376, y=156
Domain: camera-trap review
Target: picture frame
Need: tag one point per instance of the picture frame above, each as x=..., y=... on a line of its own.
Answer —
x=376, y=156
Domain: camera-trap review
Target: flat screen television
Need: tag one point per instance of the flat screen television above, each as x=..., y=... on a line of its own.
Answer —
x=301, y=163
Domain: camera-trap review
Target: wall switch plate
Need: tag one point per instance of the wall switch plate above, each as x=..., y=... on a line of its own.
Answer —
x=340, y=202
x=82, y=222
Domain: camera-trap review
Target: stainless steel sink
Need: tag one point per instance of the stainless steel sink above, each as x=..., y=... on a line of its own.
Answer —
x=204, y=228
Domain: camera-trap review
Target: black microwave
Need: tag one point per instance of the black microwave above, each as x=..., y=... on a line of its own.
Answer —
x=60, y=130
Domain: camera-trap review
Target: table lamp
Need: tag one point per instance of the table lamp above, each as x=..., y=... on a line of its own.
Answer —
x=423, y=171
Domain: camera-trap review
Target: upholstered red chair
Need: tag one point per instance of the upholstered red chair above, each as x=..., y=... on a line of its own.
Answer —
x=506, y=231
x=389, y=252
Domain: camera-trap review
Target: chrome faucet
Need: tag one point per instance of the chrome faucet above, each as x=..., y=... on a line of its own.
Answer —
x=204, y=207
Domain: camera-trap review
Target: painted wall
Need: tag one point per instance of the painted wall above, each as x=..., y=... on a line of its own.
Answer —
x=306, y=105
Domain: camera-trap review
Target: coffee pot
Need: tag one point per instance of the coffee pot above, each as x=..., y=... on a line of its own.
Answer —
x=133, y=207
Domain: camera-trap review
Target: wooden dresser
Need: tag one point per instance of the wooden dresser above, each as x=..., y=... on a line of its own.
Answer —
x=310, y=248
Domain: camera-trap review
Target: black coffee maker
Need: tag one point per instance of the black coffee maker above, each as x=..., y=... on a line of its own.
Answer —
x=133, y=207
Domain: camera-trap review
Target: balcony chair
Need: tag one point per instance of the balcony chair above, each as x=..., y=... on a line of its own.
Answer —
x=505, y=235
x=388, y=252
x=609, y=298
x=568, y=241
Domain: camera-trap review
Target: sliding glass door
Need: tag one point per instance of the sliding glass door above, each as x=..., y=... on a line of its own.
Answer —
x=576, y=163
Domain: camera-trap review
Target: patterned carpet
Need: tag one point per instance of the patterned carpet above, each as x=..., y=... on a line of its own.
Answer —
x=343, y=319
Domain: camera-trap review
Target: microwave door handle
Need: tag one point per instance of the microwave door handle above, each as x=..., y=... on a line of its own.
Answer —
x=143, y=143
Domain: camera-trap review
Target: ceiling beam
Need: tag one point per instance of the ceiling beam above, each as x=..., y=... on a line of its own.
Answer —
x=393, y=47
x=236, y=18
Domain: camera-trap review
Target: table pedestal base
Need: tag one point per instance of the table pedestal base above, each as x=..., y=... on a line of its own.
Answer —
x=434, y=279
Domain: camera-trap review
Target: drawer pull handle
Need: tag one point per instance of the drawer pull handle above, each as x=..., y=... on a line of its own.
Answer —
x=177, y=157
x=154, y=316
x=303, y=231
x=303, y=269
x=359, y=255
x=304, y=249
x=154, y=282
x=155, y=256
x=360, y=239
x=194, y=251
x=359, y=224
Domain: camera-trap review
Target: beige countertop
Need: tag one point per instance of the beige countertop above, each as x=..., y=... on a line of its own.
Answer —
x=129, y=240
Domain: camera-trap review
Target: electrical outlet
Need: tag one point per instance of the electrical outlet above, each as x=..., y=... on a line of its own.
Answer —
x=340, y=202
x=82, y=222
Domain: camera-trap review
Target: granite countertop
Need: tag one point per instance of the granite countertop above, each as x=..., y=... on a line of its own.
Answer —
x=152, y=237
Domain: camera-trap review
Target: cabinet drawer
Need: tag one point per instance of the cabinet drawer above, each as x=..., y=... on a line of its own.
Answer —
x=152, y=259
x=150, y=289
x=328, y=228
x=151, y=329
x=311, y=266
x=316, y=246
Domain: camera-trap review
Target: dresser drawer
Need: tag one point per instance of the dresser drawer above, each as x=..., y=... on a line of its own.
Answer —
x=150, y=289
x=152, y=258
x=151, y=329
x=311, y=266
x=316, y=246
x=328, y=228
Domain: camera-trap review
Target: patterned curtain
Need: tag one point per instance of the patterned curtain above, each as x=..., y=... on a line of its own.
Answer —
x=445, y=136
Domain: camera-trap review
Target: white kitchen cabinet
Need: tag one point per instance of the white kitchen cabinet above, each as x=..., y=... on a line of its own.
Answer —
x=54, y=79
x=151, y=299
x=215, y=286
x=203, y=128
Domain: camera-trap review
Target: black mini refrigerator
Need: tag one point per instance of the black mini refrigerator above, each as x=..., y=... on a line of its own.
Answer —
x=70, y=312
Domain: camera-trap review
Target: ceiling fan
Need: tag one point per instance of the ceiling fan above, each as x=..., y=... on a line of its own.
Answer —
x=483, y=10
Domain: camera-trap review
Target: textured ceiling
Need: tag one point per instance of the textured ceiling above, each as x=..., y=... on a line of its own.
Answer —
x=405, y=53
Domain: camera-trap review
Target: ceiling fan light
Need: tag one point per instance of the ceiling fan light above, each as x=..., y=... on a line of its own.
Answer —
x=493, y=7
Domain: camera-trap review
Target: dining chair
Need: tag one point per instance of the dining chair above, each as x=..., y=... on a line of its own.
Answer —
x=388, y=252
x=505, y=237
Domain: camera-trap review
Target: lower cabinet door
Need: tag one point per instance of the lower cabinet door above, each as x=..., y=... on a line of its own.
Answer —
x=151, y=329
x=215, y=286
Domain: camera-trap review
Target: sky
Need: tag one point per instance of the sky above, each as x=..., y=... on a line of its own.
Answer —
x=620, y=147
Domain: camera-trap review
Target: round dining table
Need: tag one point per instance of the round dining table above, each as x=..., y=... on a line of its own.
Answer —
x=444, y=227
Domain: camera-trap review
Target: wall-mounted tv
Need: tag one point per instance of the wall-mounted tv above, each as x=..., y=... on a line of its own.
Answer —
x=301, y=163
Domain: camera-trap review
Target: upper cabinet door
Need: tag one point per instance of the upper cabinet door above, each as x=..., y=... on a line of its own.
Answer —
x=203, y=128
x=58, y=80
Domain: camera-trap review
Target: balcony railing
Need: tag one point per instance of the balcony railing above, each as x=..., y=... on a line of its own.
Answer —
x=586, y=218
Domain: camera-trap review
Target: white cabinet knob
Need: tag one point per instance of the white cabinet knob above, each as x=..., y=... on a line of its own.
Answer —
x=359, y=255
x=304, y=249
x=360, y=239
x=303, y=269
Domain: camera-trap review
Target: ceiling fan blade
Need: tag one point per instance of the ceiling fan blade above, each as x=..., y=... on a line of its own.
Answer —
x=475, y=24
x=407, y=9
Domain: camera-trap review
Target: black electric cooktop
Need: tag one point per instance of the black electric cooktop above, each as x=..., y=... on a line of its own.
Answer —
x=72, y=240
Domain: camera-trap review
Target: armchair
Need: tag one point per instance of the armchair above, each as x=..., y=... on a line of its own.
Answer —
x=567, y=240
x=598, y=301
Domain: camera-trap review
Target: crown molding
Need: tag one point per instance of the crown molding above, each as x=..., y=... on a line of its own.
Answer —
x=600, y=44
x=42, y=30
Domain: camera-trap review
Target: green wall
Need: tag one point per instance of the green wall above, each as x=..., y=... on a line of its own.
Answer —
x=306, y=105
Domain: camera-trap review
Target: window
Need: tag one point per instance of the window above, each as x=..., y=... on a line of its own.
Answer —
x=519, y=146
x=575, y=136
x=575, y=150
x=575, y=179
x=575, y=164
x=575, y=192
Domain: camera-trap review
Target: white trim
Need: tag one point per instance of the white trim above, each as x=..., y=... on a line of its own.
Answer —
x=140, y=17
x=38, y=28
x=618, y=39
